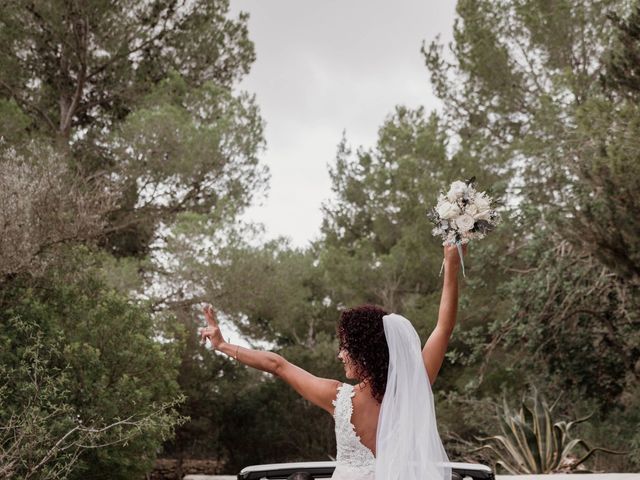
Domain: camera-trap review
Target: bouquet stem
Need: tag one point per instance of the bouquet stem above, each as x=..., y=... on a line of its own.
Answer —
x=459, y=245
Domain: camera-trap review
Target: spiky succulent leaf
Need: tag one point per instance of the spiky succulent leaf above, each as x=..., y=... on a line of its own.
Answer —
x=532, y=443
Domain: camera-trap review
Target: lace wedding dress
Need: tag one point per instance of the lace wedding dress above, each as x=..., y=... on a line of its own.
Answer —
x=354, y=460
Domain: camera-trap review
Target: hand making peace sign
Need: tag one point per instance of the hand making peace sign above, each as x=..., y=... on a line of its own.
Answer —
x=212, y=331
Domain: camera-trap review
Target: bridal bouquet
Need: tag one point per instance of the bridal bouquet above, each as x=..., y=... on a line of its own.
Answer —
x=463, y=214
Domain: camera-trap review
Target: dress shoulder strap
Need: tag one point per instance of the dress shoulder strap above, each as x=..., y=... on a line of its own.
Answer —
x=342, y=402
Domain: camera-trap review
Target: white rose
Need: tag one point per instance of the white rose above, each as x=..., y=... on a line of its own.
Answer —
x=482, y=202
x=456, y=190
x=465, y=222
x=448, y=210
x=486, y=215
x=471, y=209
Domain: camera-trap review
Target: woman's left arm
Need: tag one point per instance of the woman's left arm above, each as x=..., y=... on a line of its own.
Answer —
x=319, y=391
x=437, y=343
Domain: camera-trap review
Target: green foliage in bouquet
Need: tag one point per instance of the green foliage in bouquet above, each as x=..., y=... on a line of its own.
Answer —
x=531, y=441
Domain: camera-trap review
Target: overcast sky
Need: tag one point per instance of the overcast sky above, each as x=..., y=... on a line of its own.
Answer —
x=324, y=67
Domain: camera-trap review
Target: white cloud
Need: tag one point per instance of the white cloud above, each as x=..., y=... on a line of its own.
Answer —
x=327, y=66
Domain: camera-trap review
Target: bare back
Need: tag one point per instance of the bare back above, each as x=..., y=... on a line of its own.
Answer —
x=365, y=416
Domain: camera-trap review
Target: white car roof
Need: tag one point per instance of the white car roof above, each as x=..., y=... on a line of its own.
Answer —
x=302, y=465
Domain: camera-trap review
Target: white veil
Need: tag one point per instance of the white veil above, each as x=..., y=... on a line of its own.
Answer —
x=408, y=446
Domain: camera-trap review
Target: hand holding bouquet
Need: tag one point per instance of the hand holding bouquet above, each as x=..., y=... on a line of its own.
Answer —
x=463, y=214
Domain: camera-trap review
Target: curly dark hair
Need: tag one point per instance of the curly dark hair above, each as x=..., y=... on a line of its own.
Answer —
x=361, y=334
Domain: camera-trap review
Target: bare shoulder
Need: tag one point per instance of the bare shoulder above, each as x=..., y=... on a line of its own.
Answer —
x=363, y=402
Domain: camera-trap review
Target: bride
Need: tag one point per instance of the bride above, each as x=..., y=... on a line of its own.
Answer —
x=385, y=425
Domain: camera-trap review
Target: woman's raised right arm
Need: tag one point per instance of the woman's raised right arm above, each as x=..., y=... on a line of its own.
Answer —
x=436, y=346
x=319, y=391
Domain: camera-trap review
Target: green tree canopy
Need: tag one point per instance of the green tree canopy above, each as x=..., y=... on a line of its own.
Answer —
x=104, y=363
x=140, y=93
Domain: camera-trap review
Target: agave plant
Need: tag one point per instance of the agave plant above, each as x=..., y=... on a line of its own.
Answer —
x=532, y=443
